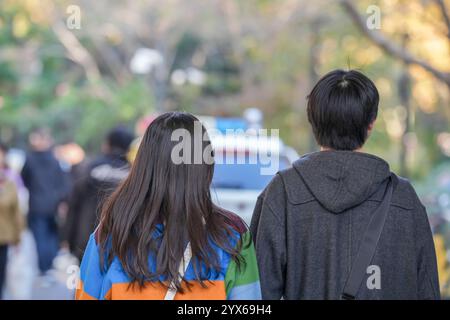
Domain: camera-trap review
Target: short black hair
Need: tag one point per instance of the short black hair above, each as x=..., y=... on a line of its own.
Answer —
x=341, y=107
x=119, y=139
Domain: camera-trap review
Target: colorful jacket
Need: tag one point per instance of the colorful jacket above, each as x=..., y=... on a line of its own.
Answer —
x=230, y=282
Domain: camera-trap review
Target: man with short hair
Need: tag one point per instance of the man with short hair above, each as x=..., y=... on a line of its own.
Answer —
x=47, y=185
x=312, y=219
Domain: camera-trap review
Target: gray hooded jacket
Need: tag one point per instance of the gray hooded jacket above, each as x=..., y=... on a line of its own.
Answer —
x=308, y=223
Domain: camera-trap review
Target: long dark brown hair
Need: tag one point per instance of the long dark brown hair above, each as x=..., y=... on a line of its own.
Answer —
x=159, y=192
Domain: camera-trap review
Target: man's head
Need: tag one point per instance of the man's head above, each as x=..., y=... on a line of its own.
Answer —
x=118, y=141
x=342, y=108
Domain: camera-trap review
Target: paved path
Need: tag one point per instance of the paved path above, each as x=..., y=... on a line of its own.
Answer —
x=51, y=291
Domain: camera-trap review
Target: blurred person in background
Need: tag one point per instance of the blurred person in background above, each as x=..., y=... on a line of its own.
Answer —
x=99, y=178
x=14, y=176
x=72, y=158
x=47, y=186
x=11, y=220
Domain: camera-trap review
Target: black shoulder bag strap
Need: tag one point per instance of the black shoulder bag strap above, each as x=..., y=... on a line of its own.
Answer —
x=368, y=245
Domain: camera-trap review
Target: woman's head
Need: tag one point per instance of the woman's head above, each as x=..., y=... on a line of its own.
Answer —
x=161, y=190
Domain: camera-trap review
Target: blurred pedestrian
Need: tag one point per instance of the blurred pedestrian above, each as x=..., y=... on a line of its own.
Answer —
x=339, y=224
x=11, y=222
x=47, y=186
x=161, y=217
x=93, y=182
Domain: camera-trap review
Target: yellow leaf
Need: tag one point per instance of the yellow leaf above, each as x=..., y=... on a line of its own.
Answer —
x=21, y=26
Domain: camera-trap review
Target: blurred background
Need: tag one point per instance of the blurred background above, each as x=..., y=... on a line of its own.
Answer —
x=72, y=71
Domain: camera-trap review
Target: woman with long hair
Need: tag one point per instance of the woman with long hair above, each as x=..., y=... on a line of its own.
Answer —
x=160, y=236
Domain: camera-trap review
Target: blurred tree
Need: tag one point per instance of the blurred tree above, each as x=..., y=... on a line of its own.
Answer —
x=218, y=58
x=426, y=56
x=399, y=51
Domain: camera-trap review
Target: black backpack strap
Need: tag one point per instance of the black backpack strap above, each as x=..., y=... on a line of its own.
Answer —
x=368, y=245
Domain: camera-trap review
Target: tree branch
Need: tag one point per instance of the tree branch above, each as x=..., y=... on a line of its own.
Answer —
x=76, y=51
x=391, y=47
x=445, y=15
x=79, y=54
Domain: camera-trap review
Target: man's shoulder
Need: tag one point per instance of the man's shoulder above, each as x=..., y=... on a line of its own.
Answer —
x=287, y=184
x=274, y=187
x=404, y=194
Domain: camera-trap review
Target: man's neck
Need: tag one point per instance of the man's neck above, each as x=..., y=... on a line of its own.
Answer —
x=330, y=149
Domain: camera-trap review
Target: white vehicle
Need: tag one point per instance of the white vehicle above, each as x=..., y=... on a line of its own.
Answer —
x=237, y=185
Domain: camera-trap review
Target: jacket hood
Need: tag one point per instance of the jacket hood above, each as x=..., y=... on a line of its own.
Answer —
x=340, y=180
